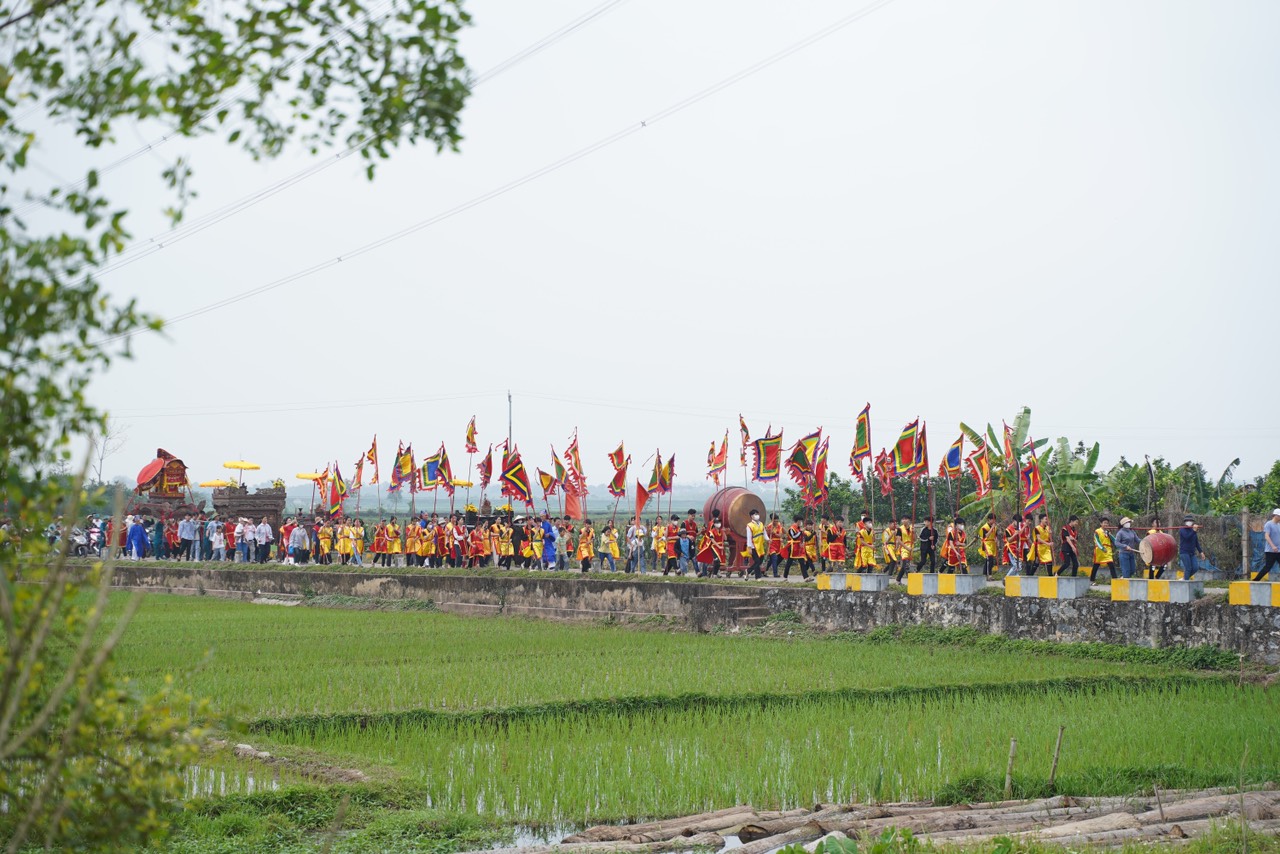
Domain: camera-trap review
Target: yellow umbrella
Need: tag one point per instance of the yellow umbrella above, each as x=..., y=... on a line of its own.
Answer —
x=464, y=483
x=309, y=475
x=216, y=483
x=242, y=466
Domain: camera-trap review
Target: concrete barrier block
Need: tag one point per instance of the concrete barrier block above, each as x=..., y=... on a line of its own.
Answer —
x=944, y=584
x=1047, y=587
x=1155, y=590
x=1254, y=593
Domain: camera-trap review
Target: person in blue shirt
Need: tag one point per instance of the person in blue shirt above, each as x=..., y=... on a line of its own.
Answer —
x=1189, y=548
x=686, y=552
x=548, y=542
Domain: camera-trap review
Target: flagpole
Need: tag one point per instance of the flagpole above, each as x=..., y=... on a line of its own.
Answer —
x=470, y=456
x=613, y=520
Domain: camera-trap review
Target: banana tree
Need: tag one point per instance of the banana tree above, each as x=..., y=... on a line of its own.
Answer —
x=1005, y=495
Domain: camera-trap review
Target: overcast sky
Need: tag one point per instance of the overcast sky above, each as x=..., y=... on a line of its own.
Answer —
x=947, y=209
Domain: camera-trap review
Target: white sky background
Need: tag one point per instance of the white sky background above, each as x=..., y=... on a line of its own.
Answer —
x=946, y=209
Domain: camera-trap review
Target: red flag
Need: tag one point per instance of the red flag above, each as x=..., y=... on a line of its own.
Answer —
x=573, y=505
x=486, y=469
x=642, y=497
x=904, y=453
x=884, y=472
x=618, y=486
x=618, y=459
x=980, y=468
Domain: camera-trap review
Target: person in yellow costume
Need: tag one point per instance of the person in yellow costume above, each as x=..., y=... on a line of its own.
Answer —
x=412, y=541
x=864, y=545
x=907, y=544
x=344, y=542
x=357, y=543
x=324, y=542
x=394, y=547
x=1041, y=552
x=891, y=545
x=533, y=533
x=757, y=545
x=1104, y=550
x=586, y=545
x=506, y=551
x=989, y=545
x=427, y=545
x=953, y=547
x=609, y=546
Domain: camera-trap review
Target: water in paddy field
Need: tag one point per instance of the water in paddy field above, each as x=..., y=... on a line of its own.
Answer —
x=204, y=781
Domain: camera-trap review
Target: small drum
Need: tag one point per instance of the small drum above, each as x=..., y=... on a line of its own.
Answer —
x=1158, y=549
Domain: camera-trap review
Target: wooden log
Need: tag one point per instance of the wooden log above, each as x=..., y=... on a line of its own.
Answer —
x=614, y=832
x=1110, y=821
x=1257, y=805
x=707, y=825
x=764, y=829
x=713, y=841
x=803, y=833
x=834, y=835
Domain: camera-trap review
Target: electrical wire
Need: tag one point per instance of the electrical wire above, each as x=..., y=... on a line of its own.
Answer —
x=554, y=166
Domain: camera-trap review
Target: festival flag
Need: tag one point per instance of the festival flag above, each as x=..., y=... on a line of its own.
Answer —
x=1009, y=455
x=767, y=457
x=548, y=482
x=429, y=474
x=817, y=491
x=746, y=440
x=515, y=479
x=445, y=474
x=1032, y=488
x=398, y=475
x=577, y=477
x=618, y=486
x=951, y=464
x=668, y=474
x=718, y=463
x=557, y=468
x=470, y=441
x=904, y=453
x=618, y=459
x=338, y=482
x=861, y=442
x=642, y=498
x=355, y=483
x=980, y=468
x=655, y=479
x=800, y=460
x=372, y=456
x=921, y=466
x=486, y=469
x=884, y=472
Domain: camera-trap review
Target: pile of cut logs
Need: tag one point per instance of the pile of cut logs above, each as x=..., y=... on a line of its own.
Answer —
x=1165, y=816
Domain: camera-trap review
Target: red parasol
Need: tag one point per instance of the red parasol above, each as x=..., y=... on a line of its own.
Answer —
x=150, y=472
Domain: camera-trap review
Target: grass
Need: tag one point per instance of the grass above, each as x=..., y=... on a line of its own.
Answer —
x=262, y=661
x=617, y=764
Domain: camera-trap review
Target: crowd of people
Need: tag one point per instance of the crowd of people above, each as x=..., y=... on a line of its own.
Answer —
x=1025, y=545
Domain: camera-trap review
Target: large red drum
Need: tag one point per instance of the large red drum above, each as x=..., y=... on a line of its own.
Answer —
x=735, y=505
x=1158, y=549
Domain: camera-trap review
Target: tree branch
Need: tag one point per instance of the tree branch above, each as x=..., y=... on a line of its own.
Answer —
x=37, y=8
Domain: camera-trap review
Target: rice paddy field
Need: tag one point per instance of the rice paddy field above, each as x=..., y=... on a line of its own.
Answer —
x=507, y=721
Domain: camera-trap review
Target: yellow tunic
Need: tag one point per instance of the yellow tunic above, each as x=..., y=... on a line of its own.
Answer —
x=393, y=539
x=864, y=547
x=908, y=540
x=505, y=549
x=427, y=542
x=587, y=543
x=1041, y=545
x=888, y=542
x=325, y=539
x=344, y=540
x=611, y=544
x=1104, y=553
x=357, y=538
x=411, y=542
x=987, y=545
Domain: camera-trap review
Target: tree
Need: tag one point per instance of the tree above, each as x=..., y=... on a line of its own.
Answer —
x=83, y=761
x=108, y=444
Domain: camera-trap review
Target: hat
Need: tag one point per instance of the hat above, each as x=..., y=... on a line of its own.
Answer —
x=518, y=519
x=1276, y=512
x=1126, y=520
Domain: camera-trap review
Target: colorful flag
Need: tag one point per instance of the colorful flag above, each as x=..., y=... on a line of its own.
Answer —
x=486, y=469
x=800, y=461
x=445, y=474
x=429, y=474
x=618, y=459
x=470, y=441
x=338, y=482
x=1032, y=488
x=618, y=486
x=817, y=491
x=355, y=483
x=668, y=474
x=548, y=482
x=884, y=472
x=1009, y=455
x=746, y=440
x=767, y=458
x=372, y=456
x=952, y=462
x=577, y=477
x=718, y=463
x=655, y=479
x=398, y=474
x=921, y=466
x=861, y=442
x=515, y=480
x=980, y=468
x=904, y=453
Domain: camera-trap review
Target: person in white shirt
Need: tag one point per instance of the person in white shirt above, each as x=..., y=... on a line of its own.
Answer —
x=635, y=544
x=246, y=536
x=219, y=541
x=264, y=537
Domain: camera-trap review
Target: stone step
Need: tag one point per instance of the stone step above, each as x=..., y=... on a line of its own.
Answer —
x=729, y=600
x=753, y=611
x=751, y=621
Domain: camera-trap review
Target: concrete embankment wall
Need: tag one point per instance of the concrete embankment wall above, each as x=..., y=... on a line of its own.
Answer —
x=1254, y=631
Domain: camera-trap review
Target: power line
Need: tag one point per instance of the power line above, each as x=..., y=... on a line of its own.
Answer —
x=554, y=166
x=165, y=239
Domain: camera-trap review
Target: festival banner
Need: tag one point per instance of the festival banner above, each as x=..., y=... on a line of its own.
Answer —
x=746, y=439
x=767, y=457
x=951, y=464
x=980, y=468
x=921, y=466
x=1032, y=488
x=904, y=453
x=800, y=460
x=372, y=456
x=861, y=442
x=486, y=469
x=884, y=470
x=618, y=459
x=618, y=485
x=470, y=441
x=718, y=463
x=548, y=482
x=515, y=479
x=429, y=476
x=445, y=473
x=642, y=498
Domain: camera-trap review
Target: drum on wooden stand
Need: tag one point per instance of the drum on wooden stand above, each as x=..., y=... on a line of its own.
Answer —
x=735, y=505
x=1158, y=549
